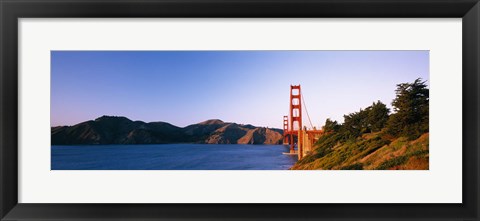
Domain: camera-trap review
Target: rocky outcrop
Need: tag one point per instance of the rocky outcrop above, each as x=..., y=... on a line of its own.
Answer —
x=261, y=135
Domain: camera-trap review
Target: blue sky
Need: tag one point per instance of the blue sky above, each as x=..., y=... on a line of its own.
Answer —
x=249, y=87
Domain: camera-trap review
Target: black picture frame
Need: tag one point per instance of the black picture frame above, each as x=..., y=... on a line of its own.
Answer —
x=12, y=10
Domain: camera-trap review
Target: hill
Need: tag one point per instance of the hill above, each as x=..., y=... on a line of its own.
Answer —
x=373, y=151
x=121, y=130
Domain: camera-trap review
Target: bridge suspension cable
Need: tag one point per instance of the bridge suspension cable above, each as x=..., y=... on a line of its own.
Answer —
x=305, y=105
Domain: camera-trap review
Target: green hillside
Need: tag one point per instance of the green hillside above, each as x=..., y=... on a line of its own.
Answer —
x=369, y=152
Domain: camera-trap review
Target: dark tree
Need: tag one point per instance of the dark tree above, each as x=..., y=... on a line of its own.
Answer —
x=377, y=116
x=411, y=107
x=355, y=124
x=331, y=126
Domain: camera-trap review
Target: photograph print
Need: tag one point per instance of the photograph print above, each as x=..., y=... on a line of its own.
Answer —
x=240, y=110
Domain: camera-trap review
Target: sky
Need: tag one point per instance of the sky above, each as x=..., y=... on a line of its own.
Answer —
x=246, y=87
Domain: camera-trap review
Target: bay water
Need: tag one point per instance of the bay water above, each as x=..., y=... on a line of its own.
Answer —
x=171, y=157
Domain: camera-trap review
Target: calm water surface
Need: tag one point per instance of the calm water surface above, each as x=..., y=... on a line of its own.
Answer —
x=172, y=157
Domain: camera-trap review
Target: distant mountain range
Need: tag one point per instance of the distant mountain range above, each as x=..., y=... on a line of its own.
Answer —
x=121, y=130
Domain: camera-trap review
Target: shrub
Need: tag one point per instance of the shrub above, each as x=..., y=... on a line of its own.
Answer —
x=357, y=166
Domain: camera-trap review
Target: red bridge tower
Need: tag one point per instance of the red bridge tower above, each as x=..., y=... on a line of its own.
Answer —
x=295, y=118
x=285, y=129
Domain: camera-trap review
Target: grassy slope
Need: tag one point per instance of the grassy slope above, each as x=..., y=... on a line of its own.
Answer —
x=370, y=152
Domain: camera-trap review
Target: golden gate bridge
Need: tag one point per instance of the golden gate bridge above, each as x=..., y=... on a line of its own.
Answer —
x=294, y=133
